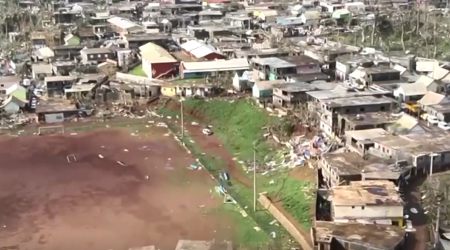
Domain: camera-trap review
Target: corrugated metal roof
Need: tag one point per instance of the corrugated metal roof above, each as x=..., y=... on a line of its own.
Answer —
x=153, y=53
x=42, y=68
x=404, y=124
x=122, y=23
x=273, y=62
x=431, y=98
x=266, y=85
x=191, y=45
x=410, y=89
x=198, y=49
x=219, y=65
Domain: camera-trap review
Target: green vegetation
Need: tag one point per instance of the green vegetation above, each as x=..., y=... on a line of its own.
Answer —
x=295, y=196
x=239, y=124
x=138, y=71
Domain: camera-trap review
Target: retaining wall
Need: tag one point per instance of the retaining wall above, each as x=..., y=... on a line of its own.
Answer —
x=267, y=204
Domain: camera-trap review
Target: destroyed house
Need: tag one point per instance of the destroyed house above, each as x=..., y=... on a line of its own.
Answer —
x=303, y=64
x=41, y=39
x=67, y=51
x=416, y=149
x=208, y=15
x=290, y=94
x=327, y=54
x=333, y=235
x=55, y=85
x=202, y=32
x=198, y=50
x=136, y=41
x=272, y=67
x=96, y=55
x=342, y=100
x=441, y=111
x=67, y=16
x=173, y=9
x=340, y=169
x=376, y=75
x=124, y=26
x=353, y=105
x=351, y=122
x=264, y=53
x=374, y=202
x=213, y=68
x=360, y=141
x=346, y=64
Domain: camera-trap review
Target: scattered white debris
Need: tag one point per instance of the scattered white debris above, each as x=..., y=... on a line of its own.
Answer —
x=414, y=210
x=162, y=125
x=194, y=123
x=151, y=122
x=272, y=182
x=206, y=131
x=273, y=222
x=126, y=150
x=257, y=229
x=100, y=156
x=273, y=234
x=73, y=133
x=146, y=177
x=121, y=163
x=102, y=146
x=243, y=213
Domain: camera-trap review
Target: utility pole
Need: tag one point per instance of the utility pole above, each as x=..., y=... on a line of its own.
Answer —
x=431, y=163
x=439, y=199
x=254, y=178
x=182, y=120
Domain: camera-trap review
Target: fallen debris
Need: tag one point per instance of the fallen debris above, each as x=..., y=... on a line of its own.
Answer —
x=100, y=156
x=71, y=158
x=121, y=163
x=161, y=125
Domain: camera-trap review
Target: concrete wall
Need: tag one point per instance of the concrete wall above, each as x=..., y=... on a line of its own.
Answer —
x=304, y=240
x=367, y=212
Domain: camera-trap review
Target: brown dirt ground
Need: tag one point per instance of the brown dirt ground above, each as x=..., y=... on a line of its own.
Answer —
x=93, y=203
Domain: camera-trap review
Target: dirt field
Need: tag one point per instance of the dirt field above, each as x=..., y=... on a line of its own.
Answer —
x=93, y=203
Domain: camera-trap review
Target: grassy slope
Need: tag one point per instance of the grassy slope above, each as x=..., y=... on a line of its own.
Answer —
x=239, y=124
x=138, y=71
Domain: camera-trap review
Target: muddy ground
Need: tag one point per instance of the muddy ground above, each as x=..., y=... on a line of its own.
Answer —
x=98, y=204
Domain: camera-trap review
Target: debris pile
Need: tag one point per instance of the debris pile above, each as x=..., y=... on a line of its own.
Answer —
x=297, y=153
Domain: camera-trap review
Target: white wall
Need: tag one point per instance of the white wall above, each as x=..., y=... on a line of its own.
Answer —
x=147, y=67
x=370, y=212
x=325, y=128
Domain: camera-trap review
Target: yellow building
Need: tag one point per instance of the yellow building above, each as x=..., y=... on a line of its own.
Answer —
x=169, y=90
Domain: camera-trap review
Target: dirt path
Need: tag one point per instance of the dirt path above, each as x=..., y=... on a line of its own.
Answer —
x=213, y=146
